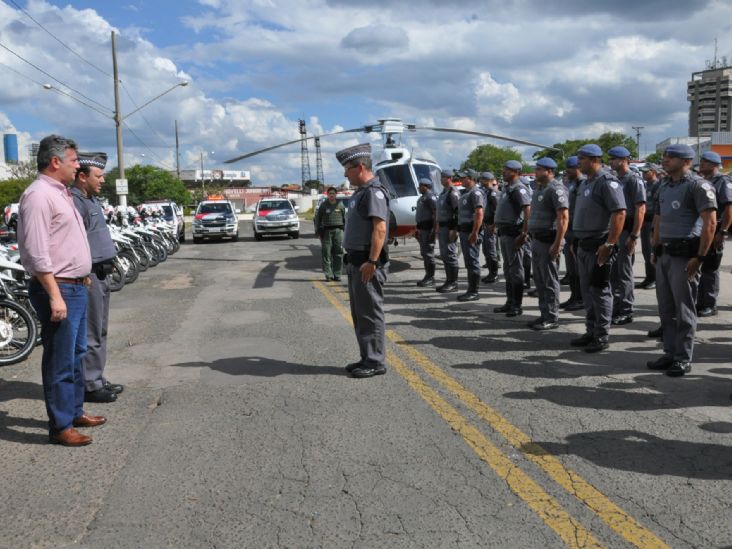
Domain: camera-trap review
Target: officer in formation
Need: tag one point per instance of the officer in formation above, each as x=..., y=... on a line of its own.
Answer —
x=87, y=185
x=490, y=241
x=329, y=222
x=447, y=215
x=573, y=179
x=709, y=165
x=512, y=218
x=650, y=178
x=368, y=259
x=470, y=224
x=622, y=270
x=426, y=218
x=547, y=226
x=683, y=232
x=598, y=221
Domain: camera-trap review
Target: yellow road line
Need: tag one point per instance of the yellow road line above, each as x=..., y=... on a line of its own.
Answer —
x=612, y=515
x=549, y=510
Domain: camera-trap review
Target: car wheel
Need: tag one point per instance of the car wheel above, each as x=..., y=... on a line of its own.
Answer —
x=296, y=234
x=235, y=237
x=182, y=238
x=197, y=239
x=257, y=236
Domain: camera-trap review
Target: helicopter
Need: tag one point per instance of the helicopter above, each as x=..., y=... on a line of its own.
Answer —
x=397, y=168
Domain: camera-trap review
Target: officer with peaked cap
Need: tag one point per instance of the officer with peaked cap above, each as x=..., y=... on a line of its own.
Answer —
x=650, y=178
x=490, y=240
x=470, y=225
x=368, y=259
x=573, y=179
x=426, y=220
x=598, y=221
x=706, y=304
x=512, y=221
x=87, y=185
x=621, y=277
x=547, y=227
x=683, y=232
x=447, y=215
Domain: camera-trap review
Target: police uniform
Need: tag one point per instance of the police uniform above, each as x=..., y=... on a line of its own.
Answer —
x=103, y=253
x=621, y=277
x=329, y=222
x=447, y=212
x=366, y=299
x=509, y=221
x=709, y=283
x=679, y=205
x=545, y=202
x=649, y=282
x=570, y=249
x=426, y=218
x=470, y=202
x=490, y=239
x=597, y=199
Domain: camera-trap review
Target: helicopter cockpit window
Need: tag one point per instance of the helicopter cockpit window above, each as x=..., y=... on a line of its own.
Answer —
x=398, y=181
x=430, y=172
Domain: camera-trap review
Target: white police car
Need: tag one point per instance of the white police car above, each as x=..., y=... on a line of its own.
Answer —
x=215, y=218
x=275, y=216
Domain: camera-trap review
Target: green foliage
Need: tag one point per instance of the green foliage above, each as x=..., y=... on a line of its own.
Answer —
x=11, y=189
x=490, y=158
x=606, y=141
x=24, y=170
x=146, y=183
x=654, y=158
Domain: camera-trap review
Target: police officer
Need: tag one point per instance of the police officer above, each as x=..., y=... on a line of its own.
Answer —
x=622, y=270
x=447, y=213
x=598, y=221
x=709, y=284
x=650, y=178
x=329, y=222
x=368, y=259
x=426, y=219
x=470, y=224
x=512, y=221
x=87, y=185
x=573, y=179
x=683, y=231
x=490, y=240
x=547, y=227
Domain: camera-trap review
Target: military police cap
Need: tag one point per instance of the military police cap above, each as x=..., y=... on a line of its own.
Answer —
x=618, y=152
x=488, y=176
x=650, y=167
x=547, y=163
x=513, y=165
x=679, y=150
x=362, y=150
x=471, y=174
x=457, y=174
x=425, y=181
x=447, y=173
x=96, y=159
x=590, y=149
x=572, y=162
x=711, y=156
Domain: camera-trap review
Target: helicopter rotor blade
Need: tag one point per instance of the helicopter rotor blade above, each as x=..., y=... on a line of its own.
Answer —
x=492, y=135
x=267, y=149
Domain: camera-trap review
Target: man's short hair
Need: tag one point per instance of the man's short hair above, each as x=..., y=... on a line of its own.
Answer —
x=331, y=189
x=363, y=161
x=53, y=146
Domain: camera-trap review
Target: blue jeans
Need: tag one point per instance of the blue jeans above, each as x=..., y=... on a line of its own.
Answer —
x=64, y=345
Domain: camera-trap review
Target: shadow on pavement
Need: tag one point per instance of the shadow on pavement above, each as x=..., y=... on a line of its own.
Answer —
x=261, y=366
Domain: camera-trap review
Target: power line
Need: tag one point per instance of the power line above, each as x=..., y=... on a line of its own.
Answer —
x=160, y=160
x=162, y=139
x=52, y=77
x=59, y=40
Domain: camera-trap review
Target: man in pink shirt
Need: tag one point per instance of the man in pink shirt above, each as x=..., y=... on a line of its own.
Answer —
x=54, y=249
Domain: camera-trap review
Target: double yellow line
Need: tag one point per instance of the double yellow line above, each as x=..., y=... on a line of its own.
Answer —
x=569, y=529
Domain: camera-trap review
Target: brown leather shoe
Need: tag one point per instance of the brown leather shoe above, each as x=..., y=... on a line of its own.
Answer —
x=70, y=437
x=86, y=420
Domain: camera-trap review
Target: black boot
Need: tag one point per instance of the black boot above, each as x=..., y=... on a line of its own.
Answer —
x=450, y=284
x=509, y=300
x=492, y=273
x=472, y=293
x=518, y=297
x=429, y=277
x=574, y=303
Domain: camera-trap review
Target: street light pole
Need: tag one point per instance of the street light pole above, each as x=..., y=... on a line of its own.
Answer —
x=637, y=138
x=118, y=123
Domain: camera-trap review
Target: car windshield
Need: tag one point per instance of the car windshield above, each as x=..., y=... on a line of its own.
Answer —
x=215, y=207
x=168, y=213
x=275, y=205
x=398, y=180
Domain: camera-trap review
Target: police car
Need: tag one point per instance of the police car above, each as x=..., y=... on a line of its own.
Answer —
x=342, y=197
x=215, y=218
x=274, y=216
x=172, y=213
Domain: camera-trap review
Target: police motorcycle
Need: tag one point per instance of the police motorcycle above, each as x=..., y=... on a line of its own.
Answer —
x=19, y=327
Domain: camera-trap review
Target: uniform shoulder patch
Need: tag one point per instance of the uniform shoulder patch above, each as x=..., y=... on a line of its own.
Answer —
x=706, y=186
x=379, y=195
x=522, y=191
x=710, y=194
x=434, y=198
x=614, y=184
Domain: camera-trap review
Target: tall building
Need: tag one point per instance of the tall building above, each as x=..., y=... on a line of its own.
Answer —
x=710, y=96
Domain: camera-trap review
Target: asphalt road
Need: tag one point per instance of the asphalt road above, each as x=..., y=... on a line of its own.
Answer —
x=239, y=428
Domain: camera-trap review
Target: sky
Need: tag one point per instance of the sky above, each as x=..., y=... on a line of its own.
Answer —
x=530, y=69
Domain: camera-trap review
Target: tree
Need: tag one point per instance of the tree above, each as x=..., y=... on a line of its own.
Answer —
x=606, y=141
x=490, y=158
x=11, y=189
x=23, y=170
x=654, y=158
x=146, y=183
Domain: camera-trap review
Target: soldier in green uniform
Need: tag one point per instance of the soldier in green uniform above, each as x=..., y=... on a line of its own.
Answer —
x=329, y=222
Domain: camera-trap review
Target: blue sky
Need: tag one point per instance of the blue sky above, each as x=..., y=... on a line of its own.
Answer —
x=544, y=72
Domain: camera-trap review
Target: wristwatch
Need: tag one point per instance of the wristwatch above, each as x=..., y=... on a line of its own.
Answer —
x=610, y=246
x=701, y=258
x=634, y=236
x=374, y=262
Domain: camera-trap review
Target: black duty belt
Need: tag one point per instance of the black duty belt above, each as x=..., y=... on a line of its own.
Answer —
x=592, y=243
x=511, y=230
x=544, y=236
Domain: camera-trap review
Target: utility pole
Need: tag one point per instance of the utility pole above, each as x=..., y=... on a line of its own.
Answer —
x=637, y=138
x=319, y=162
x=305, y=157
x=118, y=123
x=203, y=184
x=177, y=152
